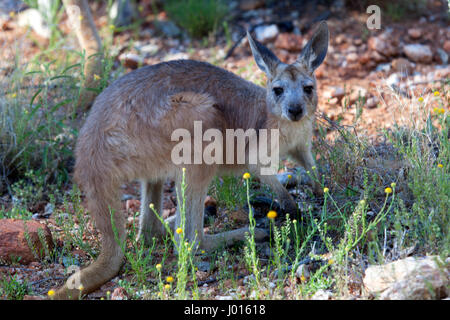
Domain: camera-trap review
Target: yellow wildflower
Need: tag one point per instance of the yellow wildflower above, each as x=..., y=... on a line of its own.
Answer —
x=13, y=95
x=167, y=286
x=112, y=27
x=326, y=190
x=179, y=230
x=289, y=176
x=51, y=293
x=420, y=99
x=246, y=176
x=436, y=93
x=393, y=184
x=388, y=190
x=330, y=261
x=81, y=288
x=96, y=77
x=303, y=278
x=152, y=206
x=169, y=279
x=80, y=17
x=158, y=266
x=272, y=214
x=12, y=14
x=440, y=165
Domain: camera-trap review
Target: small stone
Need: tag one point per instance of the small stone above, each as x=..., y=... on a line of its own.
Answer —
x=357, y=93
x=418, y=53
x=322, y=295
x=303, y=272
x=446, y=46
x=119, y=293
x=352, y=57
x=266, y=33
x=204, y=266
x=131, y=60
x=372, y=102
x=402, y=65
x=415, y=33
x=133, y=205
x=333, y=92
x=289, y=41
x=168, y=28
x=149, y=49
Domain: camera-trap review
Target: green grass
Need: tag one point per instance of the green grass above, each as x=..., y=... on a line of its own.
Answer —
x=11, y=288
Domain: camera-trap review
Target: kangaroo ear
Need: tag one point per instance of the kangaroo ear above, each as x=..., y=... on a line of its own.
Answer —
x=315, y=50
x=264, y=58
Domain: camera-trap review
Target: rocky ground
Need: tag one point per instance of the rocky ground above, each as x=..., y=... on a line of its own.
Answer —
x=364, y=75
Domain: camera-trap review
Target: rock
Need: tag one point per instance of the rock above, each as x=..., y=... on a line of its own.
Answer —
x=131, y=60
x=119, y=293
x=168, y=28
x=14, y=244
x=287, y=179
x=383, y=44
x=356, y=94
x=385, y=67
x=446, y=46
x=289, y=41
x=418, y=53
x=372, y=102
x=33, y=18
x=246, y=5
x=148, y=49
x=322, y=295
x=224, y=298
x=333, y=92
x=409, y=278
x=204, y=266
x=266, y=33
x=303, y=272
x=122, y=13
x=133, y=205
x=402, y=65
x=414, y=33
x=441, y=56
x=352, y=57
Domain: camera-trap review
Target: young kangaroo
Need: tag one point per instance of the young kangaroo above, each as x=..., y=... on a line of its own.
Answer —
x=127, y=136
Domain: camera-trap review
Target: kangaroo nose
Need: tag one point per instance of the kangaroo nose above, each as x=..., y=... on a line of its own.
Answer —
x=295, y=111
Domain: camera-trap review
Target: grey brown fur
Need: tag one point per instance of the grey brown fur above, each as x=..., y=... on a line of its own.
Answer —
x=127, y=137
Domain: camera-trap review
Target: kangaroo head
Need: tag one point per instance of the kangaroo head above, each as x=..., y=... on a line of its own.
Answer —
x=291, y=88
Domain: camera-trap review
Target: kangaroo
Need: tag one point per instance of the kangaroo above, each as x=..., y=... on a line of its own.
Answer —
x=127, y=136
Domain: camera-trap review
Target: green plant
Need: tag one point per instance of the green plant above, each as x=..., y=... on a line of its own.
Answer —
x=197, y=17
x=11, y=288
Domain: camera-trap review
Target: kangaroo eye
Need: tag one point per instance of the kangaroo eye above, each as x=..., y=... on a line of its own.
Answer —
x=278, y=91
x=308, y=89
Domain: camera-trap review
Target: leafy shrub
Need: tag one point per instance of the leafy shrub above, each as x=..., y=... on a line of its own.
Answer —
x=198, y=17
